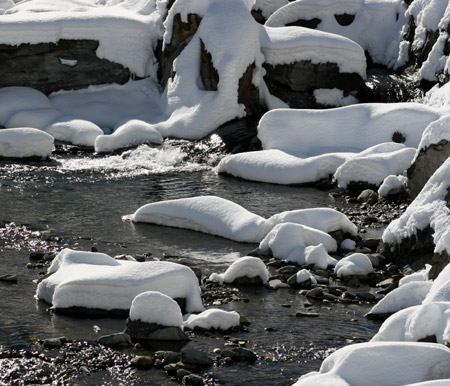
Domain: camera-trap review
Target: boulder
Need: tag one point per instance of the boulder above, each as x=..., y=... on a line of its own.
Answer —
x=64, y=65
x=138, y=329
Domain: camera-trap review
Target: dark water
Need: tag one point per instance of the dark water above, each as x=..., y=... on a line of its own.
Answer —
x=81, y=199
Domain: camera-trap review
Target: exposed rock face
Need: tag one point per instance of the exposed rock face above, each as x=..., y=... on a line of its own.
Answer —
x=48, y=67
x=426, y=163
x=182, y=34
x=295, y=83
x=439, y=261
x=153, y=331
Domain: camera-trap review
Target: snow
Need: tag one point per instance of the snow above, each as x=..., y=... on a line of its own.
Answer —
x=131, y=133
x=246, y=266
x=408, y=295
x=96, y=280
x=155, y=307
x=428, y=209
x=435, y=132
x=374, y=168
x=126, y=30
x=304, y=275
x=333, y=97
x=440, y=291
x=212, y=319
x=267, y=7
x=392, y=185
x=74, y=131
x=317, y=256
x=355, y=264
x=221, y=217
x=381, y=363
x=38, y=118
x=421, y=275
x=291, y=44
x=438, y=96
x=376, y=27
x=288, y=241
x=355, y=128
x=25, y=142
x=348, y=244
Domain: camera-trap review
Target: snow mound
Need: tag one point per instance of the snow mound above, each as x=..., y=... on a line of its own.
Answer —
x=333, y=97
x=131, y=133
x=288, y=241
x=220, y=217
x=317, y=256
x=428, y=209
x=212, y=319
x=75, y=131
x=38, y=118
x=381, y=363
x=247, y=266
x=355, y=128
x=304, y=275
x=421, y=275
x=374, y=168
x=24, y=143
x=407, y=295
x=155, y=307
x=17, y=99
x=355, y=264
x=97, y=281
x=392, y=184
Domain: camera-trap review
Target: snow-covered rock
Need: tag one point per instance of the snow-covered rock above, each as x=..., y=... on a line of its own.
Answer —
x=317, y=256
x=74, y=131
x=357, y=264
x=131, y=133
x=25, y=142
x=212, y=319
x=381, y=363
x=97, y=281
x=393, y=185
x=246, y=270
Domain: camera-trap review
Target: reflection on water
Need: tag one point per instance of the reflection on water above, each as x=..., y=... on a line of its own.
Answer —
x=80, y=199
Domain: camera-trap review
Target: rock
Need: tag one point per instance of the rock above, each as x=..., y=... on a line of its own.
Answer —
x=426, y=163
x=315, y=293
x=142, y=362
x=54, y=342
x=307, y=314
x=250, y=281
x=295, y=83
x=192, y=379
x=182, y=373
x=153, y=331
x=288, y=270
x=195, y=357
x=365, y=295
x=9, y=278
x=240, y=354
x=292, y=281
x=369, y=196
x=37, y=255
x=168, y=357
x=371, y=243
x=278, y=284
x=121, y=339
x=39, y=66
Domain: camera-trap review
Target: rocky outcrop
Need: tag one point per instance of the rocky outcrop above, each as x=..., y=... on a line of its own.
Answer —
x=295, y=83
x=426, y=163
x=67, y=65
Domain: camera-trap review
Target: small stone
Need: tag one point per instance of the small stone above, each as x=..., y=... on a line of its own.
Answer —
x=142, y=362
x=288, y=270
x=315, y=293
x=195, y=357
x=306, y=314
x=365, y=295
x=119, y=339
x=182, y=373
x=192, y=379
x=240, y=354
x=9, y=278
x=370, y=243
x=37, y=255
x=53, y=342
x=369, y=196
x=217, y=351
x=278, y=284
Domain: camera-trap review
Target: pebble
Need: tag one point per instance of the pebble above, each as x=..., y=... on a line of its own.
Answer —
x=9, y=278
x=142, y=362
x=307, y=314
x=192, y=379
x=195, y=357
x=240, y=354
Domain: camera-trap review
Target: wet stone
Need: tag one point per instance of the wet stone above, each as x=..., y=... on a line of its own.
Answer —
x=192, y=379
x=195, y=357
x=9, y=278
x=142, y=362
x=307, y=314
x=288, y=270
x=120, y=339
x=240, y=354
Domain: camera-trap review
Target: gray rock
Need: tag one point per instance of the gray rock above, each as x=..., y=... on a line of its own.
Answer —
x=365, y=295
x=120, y=339
x=153, y=331
x=292, y=281
x=369, y=196
x=288, y=270
x=306, y=314
x=167, y=357
x=239, y=354
x=182, y=373
x=53, y=342
x=195, y=357
x=193, y=379
x=142, y=362
x=371, y=243
x=315, y=293
x=9, y=278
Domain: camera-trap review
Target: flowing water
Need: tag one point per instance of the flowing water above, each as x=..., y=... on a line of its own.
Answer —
x=80, y=200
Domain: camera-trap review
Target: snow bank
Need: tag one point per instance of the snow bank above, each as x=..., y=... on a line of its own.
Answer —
x=288, y=241
x=131, y=133
x=74, y=131
x=374, y=168
x=38, y=118
x=381, y=363
x=25, y=142
x=212, y=319
x=292, y=44
x=355, y=264
x=407, y=295
x=220, y=217
x=376, y=26
x=126, y=30
x=95, y=280
x=428, y=209
x=155, y=307
x=248, y=266
x=355, y=128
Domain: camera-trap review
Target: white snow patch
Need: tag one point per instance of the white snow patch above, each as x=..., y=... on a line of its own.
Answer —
x=392, y=185
x=155, y=307
x=317, y=256
x=96, y=280
x=212, y=319
x=421, y=275
x=25, y=142
x=333, y=97
x=74, y=131
x=304, y=275
x=348, y=244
